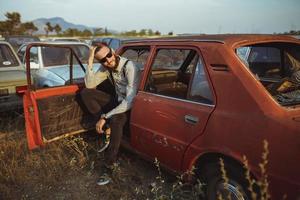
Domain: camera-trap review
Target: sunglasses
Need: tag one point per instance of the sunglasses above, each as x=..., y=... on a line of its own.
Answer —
x=104, y=59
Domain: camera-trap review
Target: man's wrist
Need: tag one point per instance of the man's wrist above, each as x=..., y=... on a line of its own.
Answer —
x=103, y=116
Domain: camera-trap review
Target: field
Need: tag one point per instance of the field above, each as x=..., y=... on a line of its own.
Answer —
x=69, y=169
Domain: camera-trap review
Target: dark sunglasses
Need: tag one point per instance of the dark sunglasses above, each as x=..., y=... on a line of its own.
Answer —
x=108, y=55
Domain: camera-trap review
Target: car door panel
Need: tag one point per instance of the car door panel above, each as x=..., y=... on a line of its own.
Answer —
x=53, y=112
x=165, y=133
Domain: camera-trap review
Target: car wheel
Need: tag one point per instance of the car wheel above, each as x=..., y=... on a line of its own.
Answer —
x=215, y=185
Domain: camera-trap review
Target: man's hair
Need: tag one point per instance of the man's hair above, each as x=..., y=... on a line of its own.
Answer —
x=100, y=45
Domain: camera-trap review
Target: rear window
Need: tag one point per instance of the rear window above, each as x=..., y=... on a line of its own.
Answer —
x=7, y=58
x=54, y=56
x=277, y=67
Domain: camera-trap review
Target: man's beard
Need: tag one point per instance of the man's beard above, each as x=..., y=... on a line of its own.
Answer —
x=117, y=61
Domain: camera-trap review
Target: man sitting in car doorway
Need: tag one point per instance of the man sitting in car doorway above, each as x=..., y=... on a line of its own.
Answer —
x=107, y=108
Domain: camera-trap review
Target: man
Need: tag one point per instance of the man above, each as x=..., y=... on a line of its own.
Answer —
x=109, y=108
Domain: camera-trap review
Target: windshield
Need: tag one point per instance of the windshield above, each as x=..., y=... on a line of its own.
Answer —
x=7, y=58
x=55, y=56
x=277, y=67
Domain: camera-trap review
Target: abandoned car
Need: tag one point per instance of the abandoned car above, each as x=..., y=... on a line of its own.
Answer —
x=12, y=79
x=201, y=98
x=50, y=65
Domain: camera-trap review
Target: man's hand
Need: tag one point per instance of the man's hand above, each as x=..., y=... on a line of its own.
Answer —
x=99, y=125
x=91, y=56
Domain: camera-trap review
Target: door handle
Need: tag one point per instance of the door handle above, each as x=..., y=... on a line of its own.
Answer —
x=191, y=119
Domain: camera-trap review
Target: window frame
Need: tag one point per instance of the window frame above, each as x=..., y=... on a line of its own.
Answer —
x=155, y=50
x=10, y=52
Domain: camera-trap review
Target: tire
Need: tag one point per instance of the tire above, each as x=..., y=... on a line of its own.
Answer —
x=214, y=185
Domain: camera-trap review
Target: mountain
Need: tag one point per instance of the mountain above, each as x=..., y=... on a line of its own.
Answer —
x=41, y=24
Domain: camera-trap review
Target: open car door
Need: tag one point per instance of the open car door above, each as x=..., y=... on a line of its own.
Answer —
x=55, y=112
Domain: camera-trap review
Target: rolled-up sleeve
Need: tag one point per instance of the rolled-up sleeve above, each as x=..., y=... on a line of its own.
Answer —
x=133, y=78
x=92, y=79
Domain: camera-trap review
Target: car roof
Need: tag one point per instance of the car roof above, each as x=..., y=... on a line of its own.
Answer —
x=56, y=43
x=229, y=39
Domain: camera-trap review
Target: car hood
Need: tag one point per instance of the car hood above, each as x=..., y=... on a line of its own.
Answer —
x=64, y=73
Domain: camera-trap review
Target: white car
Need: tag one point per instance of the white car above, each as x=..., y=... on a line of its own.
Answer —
x=12, y=78
x=50, y=64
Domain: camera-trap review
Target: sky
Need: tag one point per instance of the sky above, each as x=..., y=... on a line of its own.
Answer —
x=178, y=16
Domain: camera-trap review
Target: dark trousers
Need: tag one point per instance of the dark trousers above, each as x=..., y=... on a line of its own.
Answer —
x=98, y=102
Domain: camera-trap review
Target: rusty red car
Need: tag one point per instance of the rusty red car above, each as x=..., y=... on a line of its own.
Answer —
x=201, y=98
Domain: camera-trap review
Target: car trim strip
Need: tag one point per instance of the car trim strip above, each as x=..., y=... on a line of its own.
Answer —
x=176, y=40
x=177, y=99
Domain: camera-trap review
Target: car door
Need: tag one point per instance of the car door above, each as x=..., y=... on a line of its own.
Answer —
x=174, y=106
x=54, y=112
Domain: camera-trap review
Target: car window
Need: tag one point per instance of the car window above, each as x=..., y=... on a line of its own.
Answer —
x=54, y=56
x=277, y=67
x=200, y=90
x=138, y=55
x=21, y=54
x=34, y=59
x=7, y=58
x=82, y=52
x=115, y=44
x=172, y=73
x=264, y=62
x=169, y=59
x=106, y=40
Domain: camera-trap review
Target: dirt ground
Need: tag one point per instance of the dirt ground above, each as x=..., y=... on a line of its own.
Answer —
x=69, y=169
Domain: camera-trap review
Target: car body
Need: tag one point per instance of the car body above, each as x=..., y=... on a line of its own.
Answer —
x=50, y=65
x=296, y=36
x=12, y=78
x=17, y=40
x=200, y=99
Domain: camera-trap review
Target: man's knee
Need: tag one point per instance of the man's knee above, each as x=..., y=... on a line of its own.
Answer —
x=89, y=94
x=86, y=92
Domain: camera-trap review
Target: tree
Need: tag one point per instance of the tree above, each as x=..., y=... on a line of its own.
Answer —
x=29, y=27
x=4, y=30
x=98, y=31
x=157, y=33
x=143, y=32
x=150, y=32
x=86, y=33
x=48, y=28
x=57, y=29
x=71, y=32
x=170, y=33
x=14, y=22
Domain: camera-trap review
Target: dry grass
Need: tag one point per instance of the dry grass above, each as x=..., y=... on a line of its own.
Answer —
x=21, y=169
x=69, y=170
